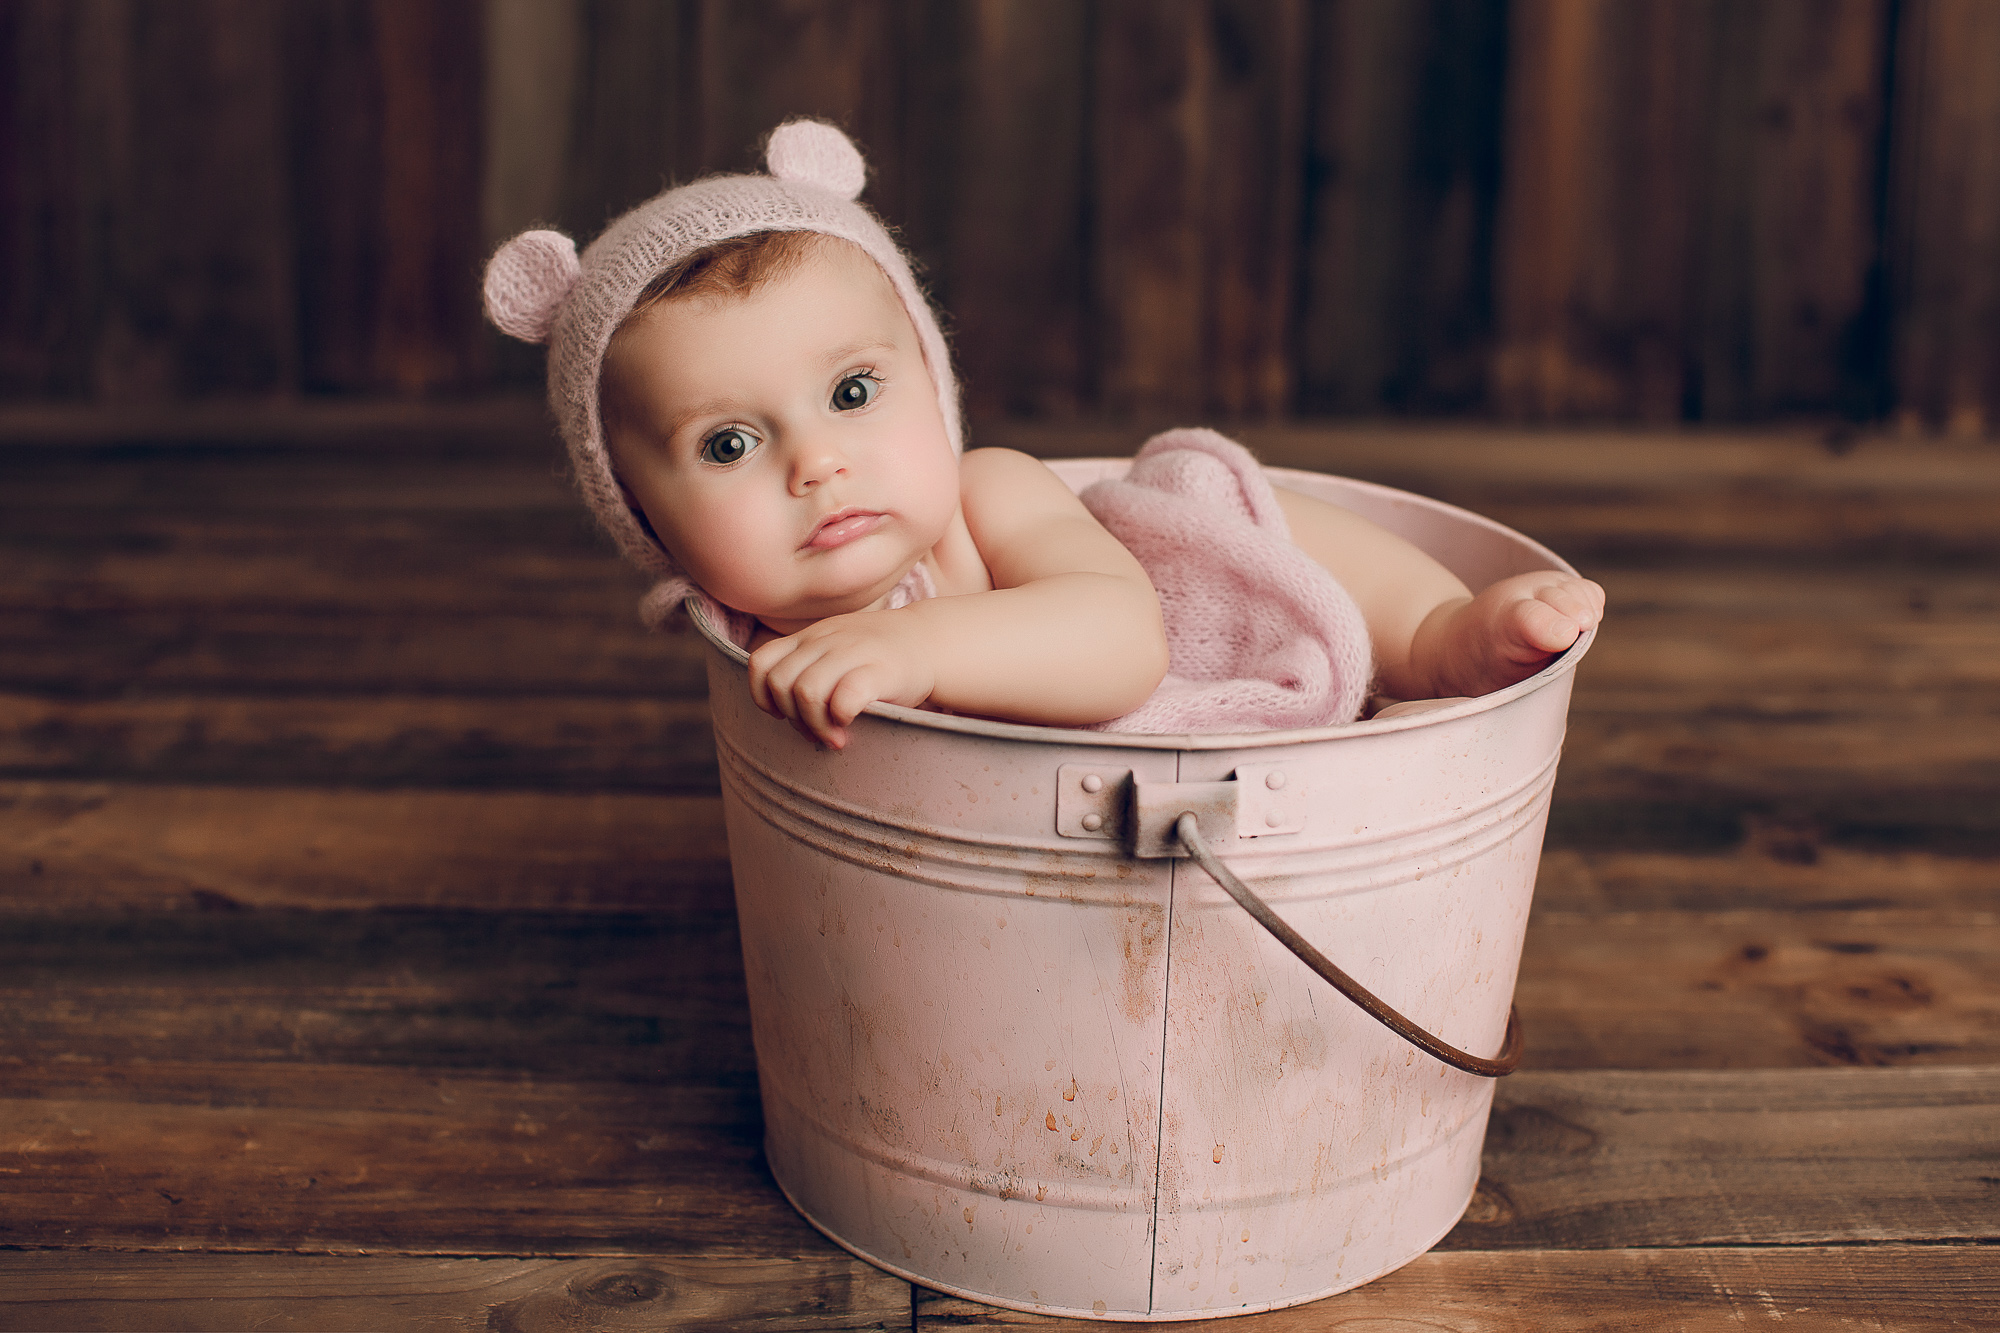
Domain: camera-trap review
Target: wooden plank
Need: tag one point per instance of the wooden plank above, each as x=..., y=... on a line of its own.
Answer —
x=206, y=650
x=1911, y=1288
x=1791, y=311
x=1818, y=309
x=1918, y=1288
x=86, y=846
x=428, y=333
x=507, y=1162
x=562, y=1000
x=1148, y=111
x=1814, y=759
x=1801, y=752
x=1800, y=985
x=1608, y=1160
x=518, y=1166
x=632, y=123
x=353, y=563
x=45, y=292
x=1252, y=168
x=642, y=998
x=188, y=201
x=1914, y=625
x=392, y=429
x=1592, y=259
x=1402, y=185
x=531, y=73
x=335, y=132
x=523, y=741
x=1743, y=990
x=143, y=1292
x=1777, y=867
x=1014, y=273
x=1944, y=209
x=374, y=454
x=762, y=62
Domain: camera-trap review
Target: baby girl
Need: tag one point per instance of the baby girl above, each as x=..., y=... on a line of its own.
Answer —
x=761, y=409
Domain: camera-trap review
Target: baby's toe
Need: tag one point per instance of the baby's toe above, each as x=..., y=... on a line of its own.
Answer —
x=1574, y=601
x=1545, y=627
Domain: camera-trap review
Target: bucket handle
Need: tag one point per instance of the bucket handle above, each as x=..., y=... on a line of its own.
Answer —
x=1188, y=829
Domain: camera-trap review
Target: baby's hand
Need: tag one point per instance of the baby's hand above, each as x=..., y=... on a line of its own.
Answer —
x=1511, y=630
x=820, y=678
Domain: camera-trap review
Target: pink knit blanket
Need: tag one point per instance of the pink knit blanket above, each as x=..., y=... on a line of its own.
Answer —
x=1259, y=635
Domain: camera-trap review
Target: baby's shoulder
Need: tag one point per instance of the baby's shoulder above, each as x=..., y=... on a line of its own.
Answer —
x=1008, y=481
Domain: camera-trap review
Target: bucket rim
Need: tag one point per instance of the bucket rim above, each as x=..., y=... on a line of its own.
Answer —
x=1564, y=664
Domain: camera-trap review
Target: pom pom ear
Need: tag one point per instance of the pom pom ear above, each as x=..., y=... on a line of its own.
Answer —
x=813, y=152
x=527, y=281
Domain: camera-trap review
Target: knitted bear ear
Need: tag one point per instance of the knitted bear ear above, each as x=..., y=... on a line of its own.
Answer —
x=527, y=281
x=813, y=152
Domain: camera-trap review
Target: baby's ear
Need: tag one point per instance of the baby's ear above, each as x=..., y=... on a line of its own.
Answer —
x=527, y=281
x=813, y=152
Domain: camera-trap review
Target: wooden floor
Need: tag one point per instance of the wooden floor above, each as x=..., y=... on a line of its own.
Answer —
x=367, y=957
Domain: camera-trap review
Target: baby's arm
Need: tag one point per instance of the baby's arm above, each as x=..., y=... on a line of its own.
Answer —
x=1069, y=634
x=1433, y=638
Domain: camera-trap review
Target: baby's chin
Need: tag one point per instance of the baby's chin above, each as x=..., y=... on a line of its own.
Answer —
x=791, y=617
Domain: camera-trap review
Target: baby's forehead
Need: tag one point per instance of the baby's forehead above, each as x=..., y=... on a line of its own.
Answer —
x=836, y=278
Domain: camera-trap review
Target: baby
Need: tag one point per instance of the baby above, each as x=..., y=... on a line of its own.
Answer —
x=760, y=407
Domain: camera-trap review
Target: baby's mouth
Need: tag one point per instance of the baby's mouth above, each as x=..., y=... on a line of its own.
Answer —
x=841, y=527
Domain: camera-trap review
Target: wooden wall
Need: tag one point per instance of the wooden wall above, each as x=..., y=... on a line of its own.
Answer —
x=1540, y=209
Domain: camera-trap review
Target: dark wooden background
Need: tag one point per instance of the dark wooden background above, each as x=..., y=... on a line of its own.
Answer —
x=1542, y=209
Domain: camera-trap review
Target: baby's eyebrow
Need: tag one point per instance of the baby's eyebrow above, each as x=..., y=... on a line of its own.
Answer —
x=854, y=349
x=714, y=407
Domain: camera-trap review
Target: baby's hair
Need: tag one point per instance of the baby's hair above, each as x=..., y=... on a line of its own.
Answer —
x=735, y=267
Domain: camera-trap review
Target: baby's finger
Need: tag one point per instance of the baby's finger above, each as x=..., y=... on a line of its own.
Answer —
x=763, y=663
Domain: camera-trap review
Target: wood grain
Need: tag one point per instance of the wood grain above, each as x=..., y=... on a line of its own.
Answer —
x=1591, y=259
x=1944, y=209
x=521, y=741
x=1148, y=114
x=1401, y=185
x=334, y=136
x=191, y=229
x=370, y=957
x=1757, y=990
x=1923, y=1289
x=144, y=1292
x=428, y=334
x=509, y=1162
x=1606, y=1160
x=200, y=650
x=45, y=291
x=1912, y=1288
x=78, y=845
x=1014, y=273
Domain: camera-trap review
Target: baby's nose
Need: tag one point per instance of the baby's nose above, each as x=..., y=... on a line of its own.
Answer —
x=815, y=461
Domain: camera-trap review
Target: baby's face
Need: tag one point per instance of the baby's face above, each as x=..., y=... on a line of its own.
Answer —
x=786, y=446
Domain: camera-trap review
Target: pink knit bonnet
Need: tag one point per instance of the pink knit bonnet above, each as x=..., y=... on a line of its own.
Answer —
x=538, y=290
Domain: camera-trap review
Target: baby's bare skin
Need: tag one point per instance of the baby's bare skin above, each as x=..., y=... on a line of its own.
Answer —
x=787, y=448
x=1433, y=639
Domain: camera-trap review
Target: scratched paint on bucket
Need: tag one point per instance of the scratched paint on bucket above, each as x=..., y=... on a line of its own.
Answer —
x=1039, y=1072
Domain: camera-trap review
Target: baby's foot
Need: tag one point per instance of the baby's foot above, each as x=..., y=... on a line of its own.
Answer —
x=1513, y=629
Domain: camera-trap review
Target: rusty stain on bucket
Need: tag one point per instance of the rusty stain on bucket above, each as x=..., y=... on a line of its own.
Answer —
x=1186, y=1121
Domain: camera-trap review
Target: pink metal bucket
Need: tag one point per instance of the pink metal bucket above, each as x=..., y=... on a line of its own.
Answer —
x=1005, y=1055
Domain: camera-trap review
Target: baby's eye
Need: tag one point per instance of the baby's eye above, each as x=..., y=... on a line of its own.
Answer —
x=728, y=444
x=855, y=391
